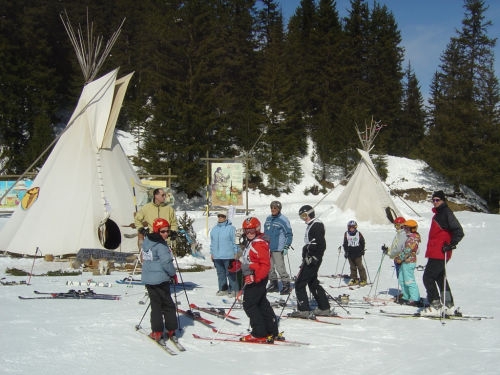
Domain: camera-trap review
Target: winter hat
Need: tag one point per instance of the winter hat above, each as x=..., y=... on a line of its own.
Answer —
x=439, y=194
x=222, y=212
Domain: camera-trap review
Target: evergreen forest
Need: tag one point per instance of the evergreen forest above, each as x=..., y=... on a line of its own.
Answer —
x=229, y=78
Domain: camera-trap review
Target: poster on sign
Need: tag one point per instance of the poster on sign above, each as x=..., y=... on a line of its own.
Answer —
x=227, y=184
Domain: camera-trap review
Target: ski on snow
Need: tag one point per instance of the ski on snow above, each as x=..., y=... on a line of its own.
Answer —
x=73, y=294
x=314, y=318
x=237, y=339
x=195, y=315
x=234, y=334
x=162, y=343
x=456, y=316
x=220, y=313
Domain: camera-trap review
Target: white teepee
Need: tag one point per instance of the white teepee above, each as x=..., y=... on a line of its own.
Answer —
x=365, y=193
x=86, y=187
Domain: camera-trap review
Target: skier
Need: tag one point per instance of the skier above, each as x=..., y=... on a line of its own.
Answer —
x=354, y=249
x=255, y=266
x=444, y=235
x=312, y=256
x=407, y=260
x=279, y=233
x=158, y=272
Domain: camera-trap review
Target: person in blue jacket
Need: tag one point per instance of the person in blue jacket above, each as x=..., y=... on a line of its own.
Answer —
x=278, y=232
x=223, y=249
x=158, y=272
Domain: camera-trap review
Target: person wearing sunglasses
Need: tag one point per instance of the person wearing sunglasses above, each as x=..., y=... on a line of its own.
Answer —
x=223, y=249
x=255, y=266
x=312, y=256
x=157, y=208
x=444, y=235
x=158, y=272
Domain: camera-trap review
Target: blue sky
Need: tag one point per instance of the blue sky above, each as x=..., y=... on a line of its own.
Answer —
x=426, y=28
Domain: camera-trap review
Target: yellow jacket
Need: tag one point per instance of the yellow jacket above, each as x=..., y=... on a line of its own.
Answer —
x=150, y=211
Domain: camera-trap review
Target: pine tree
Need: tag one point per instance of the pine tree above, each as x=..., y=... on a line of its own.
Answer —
x=464, y=124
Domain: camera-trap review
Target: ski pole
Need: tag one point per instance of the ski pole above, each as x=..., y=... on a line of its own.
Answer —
x=443, y=309
x=289, y=294
x=341, y=278
x=138, y=326
x=338, y=257
x=366, y=268
x=182, y=280
x=33, y=265
x=240, y=293
x=377, y=277
x=338, y=303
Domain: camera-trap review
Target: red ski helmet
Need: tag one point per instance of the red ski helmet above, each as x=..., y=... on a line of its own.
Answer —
x=159, y=224
x=399, y=220
x=251, y=222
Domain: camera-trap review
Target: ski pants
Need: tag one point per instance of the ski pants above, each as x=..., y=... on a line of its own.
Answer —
x=434, y=278
x=278, y=265
x=163, y=309
x=407, y=282
x=262, y=318
x=223, y=276
x=356, y=265
x=308, y=276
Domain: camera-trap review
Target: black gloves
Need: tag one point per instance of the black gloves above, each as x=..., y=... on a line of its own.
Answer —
x=311, y=260
x=385, y=249
x=345, y=254
x=448, y=247
x=172, y=234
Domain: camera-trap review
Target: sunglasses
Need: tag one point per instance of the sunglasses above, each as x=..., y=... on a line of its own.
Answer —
x=304, y=215
x=164, y=231
x=436, y=200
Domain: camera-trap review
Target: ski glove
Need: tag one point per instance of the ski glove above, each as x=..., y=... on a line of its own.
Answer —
x=285, y=250
x=345, y=254
x=448, y=247
x=385, y=249
x=249, y=279
x=311, y=260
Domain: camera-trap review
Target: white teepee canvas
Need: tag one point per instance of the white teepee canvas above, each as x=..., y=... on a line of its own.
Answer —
x=366, y=195
x=87, y=186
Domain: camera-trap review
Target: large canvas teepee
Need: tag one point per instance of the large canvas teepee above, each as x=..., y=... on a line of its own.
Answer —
x=87, y=189
x=365, y=193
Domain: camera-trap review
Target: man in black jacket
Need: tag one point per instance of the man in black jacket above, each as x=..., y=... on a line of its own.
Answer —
x=312, y=256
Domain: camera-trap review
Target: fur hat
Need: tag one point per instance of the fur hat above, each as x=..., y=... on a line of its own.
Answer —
x=439, y=194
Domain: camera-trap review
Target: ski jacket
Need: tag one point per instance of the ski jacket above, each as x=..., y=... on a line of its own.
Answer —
x=279, y=232
x=354, y=244
x=445, y=229
x=157, y=260
x=398, y=243
x=257, y=258
x=314, y=239
x=151, y=211
x=410, y=250
x=222, y=241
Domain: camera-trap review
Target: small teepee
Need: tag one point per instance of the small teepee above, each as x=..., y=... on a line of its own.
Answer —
x=87, y=189
x=365, y=193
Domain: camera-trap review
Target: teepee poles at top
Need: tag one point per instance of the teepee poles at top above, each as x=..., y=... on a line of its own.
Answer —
x=88, y=48
x=368, y=136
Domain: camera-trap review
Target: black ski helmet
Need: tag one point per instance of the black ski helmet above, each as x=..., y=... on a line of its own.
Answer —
x=306, y=209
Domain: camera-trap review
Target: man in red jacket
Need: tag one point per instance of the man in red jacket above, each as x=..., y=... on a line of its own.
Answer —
x=444, y=235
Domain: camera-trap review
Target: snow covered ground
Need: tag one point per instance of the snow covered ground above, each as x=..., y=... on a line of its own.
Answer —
x=97, y=337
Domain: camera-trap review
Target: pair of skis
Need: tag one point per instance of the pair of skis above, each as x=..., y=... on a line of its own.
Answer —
x=235, y=337
x=72, y=294
x=164, y=344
